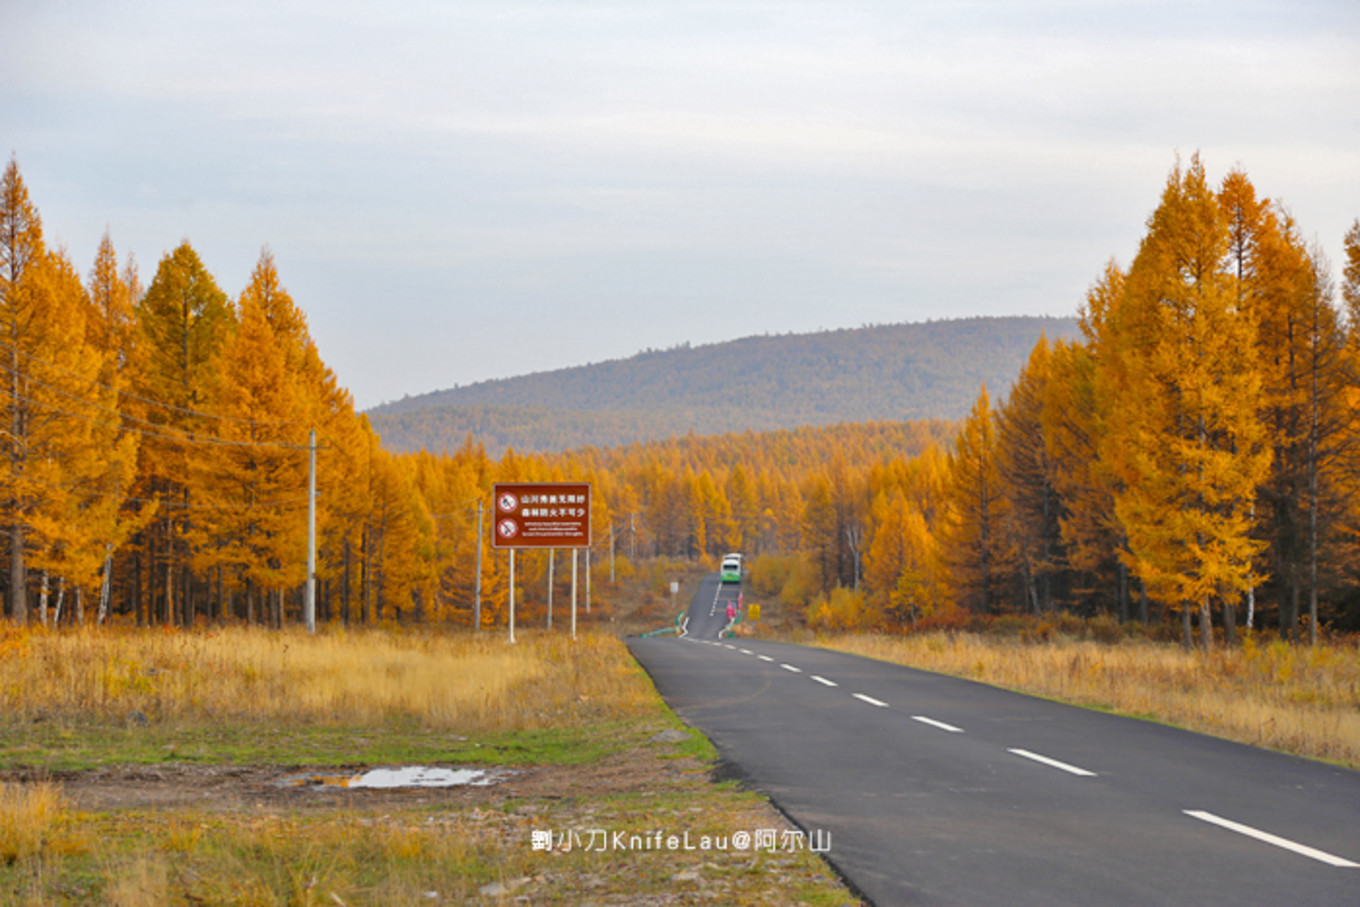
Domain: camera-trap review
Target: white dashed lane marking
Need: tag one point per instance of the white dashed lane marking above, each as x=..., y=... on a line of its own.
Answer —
x=764, y=658
x=746, y=652
x=871, y=700
x=788, y=667
x=939, y=724
x=1267, y=837
x=1054, y=763
x=824, y=682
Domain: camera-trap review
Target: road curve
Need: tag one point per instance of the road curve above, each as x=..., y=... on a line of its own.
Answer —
x=941, y=791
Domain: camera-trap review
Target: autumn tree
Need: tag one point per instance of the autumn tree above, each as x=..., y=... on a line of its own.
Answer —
x=1193, y=443
x=973, y=537
x=64, y=469
x=21, y=255
x=1029, y=475
x=902, y=567
x=182, y=321
x=249, y=478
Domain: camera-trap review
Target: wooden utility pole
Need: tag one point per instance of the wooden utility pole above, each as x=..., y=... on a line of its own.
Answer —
x=477, y=600
x=309, y=596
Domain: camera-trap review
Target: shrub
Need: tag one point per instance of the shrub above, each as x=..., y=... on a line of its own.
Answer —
x=27, y=814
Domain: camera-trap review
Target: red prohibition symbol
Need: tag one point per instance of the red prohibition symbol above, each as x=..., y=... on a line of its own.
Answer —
x=507, y=503
x=507, y=529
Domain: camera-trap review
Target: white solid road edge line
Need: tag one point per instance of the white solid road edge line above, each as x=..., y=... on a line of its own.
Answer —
x=1301, y=849
x=789, y=667
x=939, y=724
x=1054, y=763
x=871, y=700
x=823, y=681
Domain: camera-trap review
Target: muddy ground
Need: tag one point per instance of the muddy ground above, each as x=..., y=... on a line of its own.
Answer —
x=234, y=788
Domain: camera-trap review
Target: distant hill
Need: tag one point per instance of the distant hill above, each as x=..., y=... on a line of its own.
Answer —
x=930, y=370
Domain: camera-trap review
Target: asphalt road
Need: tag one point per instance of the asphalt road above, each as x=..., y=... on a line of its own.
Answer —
x=936, y=790
x=707, y=614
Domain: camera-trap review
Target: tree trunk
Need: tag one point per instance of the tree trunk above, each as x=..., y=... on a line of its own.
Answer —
x=367, y=581
x=138, y=605
x=1123, y=593
x=1206, y=626
x=344, y=585
x=106, y=585
x=1294, y=592
x=18, y=575
x=1187, y=631
x=169, y=591
x=1229, y=623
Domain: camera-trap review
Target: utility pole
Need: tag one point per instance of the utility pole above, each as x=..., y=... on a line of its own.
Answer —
x=477, y=600
x=632, y=539
x=611, y=554
x=309, y=597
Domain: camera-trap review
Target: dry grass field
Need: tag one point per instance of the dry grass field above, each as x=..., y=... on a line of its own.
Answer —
x=1291, y=698
x=237, y=674
x=142, y=767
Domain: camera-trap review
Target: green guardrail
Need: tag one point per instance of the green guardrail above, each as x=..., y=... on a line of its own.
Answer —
x=664, y=630
x=728, y=631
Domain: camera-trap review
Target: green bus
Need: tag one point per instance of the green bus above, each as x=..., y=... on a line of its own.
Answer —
x=730, y=572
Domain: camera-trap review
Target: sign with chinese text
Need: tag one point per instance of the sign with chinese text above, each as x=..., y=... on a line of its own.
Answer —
x=541, y=515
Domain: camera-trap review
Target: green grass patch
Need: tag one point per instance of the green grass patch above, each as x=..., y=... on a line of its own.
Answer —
x=81, y=747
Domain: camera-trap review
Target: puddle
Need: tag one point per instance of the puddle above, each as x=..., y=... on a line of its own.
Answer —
x=394, y=778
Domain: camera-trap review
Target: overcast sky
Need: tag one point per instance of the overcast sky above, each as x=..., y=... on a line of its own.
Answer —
x=456, y=191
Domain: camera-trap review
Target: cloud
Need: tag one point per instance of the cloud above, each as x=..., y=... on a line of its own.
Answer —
x=674, y=168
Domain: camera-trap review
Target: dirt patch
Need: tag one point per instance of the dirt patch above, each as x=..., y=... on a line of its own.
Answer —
x=241, y=787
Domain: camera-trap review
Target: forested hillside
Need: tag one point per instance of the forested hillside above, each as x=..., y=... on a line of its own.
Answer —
x=904, y=372
x=1193, y=455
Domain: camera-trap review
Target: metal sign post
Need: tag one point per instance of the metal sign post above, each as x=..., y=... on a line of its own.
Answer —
x=512, y=594
x=541, y=515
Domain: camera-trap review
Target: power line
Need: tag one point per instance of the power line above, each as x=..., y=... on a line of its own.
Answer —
x=208, y=440
x=124, y=393
x=174, y=505
x=127, y=416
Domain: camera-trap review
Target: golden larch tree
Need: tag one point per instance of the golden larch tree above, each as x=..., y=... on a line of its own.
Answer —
x=1193, y=444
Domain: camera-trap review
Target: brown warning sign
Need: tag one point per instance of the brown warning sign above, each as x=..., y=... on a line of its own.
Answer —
x=541, y=515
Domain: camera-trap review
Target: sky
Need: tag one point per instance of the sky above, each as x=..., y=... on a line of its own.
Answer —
x=457, y=191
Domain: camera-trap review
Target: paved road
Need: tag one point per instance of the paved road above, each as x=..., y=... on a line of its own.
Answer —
x=707, y=614
x=941, y=791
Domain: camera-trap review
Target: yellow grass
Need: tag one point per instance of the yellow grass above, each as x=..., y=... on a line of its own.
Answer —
x=441, y=681
x=1295, y=699
x=27, y=815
